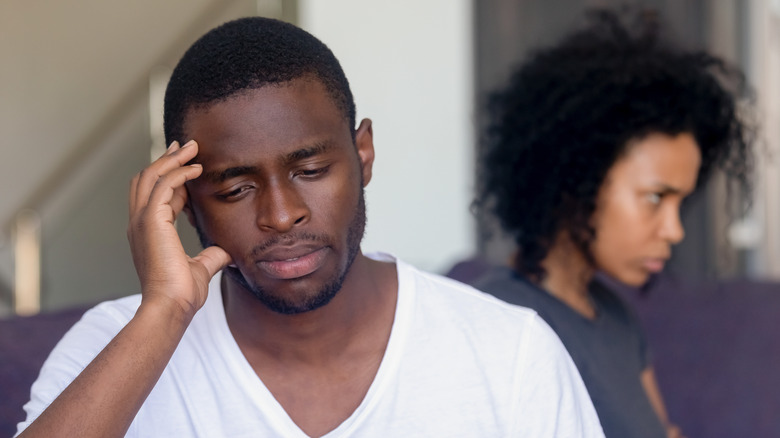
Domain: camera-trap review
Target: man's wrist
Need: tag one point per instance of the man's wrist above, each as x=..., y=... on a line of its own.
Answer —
x=164, y=308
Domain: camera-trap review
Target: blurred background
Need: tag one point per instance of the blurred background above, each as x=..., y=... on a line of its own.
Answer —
x=81, y=86
x=81, y=106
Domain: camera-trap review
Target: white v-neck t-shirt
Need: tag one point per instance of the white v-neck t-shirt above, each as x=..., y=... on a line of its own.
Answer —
x=459, y=363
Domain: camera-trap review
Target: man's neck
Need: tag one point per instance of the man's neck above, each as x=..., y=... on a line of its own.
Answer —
x=319, y=365
x=361, y=313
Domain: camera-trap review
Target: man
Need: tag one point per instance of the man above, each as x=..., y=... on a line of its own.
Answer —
x=281, y=326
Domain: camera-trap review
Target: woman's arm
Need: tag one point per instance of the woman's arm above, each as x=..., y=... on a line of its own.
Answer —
x=647, y=377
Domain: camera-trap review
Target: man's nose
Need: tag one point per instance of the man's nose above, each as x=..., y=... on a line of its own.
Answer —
x=281, y=207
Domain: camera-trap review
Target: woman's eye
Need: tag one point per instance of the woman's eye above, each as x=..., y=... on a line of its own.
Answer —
x=654, y=198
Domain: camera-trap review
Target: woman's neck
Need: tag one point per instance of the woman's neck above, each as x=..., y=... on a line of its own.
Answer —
x=568, y=274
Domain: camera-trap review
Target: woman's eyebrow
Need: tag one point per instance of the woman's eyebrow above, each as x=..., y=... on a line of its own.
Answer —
x=666, y=188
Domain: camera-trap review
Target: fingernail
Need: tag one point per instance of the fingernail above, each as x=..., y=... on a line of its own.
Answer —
x=189, y=143
x=172, y=147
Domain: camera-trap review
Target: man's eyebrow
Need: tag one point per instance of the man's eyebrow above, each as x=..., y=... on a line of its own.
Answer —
x=307, y=152
x=218, y=176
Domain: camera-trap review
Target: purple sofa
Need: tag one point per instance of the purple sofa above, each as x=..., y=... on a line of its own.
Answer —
x=716, y=349
x=25, y=342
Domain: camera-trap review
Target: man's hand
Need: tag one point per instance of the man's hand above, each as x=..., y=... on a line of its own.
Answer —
x=157, y=196
x=103, y=400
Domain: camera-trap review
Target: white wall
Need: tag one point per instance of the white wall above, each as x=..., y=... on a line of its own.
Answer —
x=409, y=64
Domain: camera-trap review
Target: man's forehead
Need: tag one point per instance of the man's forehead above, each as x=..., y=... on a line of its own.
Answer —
x=299, y=100
x=308, y=83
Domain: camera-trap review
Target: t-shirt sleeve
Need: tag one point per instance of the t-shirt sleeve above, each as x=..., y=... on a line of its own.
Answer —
x=71, y=355
x=553, y=398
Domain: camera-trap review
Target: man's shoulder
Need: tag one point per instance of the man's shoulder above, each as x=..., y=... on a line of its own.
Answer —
x=100, y=324
x=121, y=309
x=457, y=301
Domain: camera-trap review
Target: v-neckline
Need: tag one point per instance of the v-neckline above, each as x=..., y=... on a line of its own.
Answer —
x=264, y=400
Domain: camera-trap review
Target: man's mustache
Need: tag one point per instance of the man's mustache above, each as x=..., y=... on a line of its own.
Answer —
x=289, y=239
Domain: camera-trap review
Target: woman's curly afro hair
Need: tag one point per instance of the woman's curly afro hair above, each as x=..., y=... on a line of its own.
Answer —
x=569, y=112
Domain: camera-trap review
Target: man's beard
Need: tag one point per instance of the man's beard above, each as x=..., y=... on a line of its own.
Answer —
x=331, y=287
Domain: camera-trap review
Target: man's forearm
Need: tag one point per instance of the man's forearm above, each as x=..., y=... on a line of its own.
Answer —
x=103, y=400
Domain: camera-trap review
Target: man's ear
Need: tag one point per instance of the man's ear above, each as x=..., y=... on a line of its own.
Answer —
x=364, y=140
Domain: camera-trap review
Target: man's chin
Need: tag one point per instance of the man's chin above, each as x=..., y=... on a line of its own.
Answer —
x=279, y=301
x=286, y=306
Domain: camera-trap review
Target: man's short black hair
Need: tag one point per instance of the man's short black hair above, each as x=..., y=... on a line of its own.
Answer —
x=570, y=111
x=247, y=54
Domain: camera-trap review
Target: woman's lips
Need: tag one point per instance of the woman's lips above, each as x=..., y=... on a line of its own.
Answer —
x=290, y=264
x=654, y=265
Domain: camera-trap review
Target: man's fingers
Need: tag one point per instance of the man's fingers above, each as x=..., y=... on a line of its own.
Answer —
x=174, y=146
x=132, y=200
x=134, y=182
x=178, y=200
x=213, y=259
x=164, y=191
x=174, y=158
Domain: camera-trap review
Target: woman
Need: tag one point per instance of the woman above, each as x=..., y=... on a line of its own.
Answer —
x=591, y=149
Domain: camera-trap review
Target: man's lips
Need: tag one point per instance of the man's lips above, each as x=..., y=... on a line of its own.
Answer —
x=286, y=263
